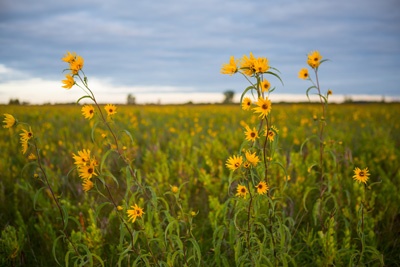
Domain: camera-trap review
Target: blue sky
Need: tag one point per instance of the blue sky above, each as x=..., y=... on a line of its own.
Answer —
x=175, y=48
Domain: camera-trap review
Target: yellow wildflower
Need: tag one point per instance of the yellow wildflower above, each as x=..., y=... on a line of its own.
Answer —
x=9, y=121
x=231, y=67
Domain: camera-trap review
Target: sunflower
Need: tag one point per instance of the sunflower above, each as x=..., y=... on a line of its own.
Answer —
x=262, y=188
x=83, y=157
x=264, y=107
x=87, y=185
x=86, y=172
x=68, y=82
x=234, y=162
x=25, y=145
x=314, y=59
x=271, y=133
x=265, y=85
x=361, y=176
x=252, y=158
x=231, y=67
x=241, y=191
x=111, y=109
x=247, y=64
x=26, y=135
x=246, y=103
x=251, y=134
x=303, y=74
x=69, y=57
x=135, y=212
x=87, y=111
x=261, y=65
x=76, y=65
x=9, y=121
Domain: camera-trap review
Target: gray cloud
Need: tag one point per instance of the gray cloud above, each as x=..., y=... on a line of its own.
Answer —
x=184, y=43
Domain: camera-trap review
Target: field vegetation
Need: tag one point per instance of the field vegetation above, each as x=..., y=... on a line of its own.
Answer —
x=252, y=184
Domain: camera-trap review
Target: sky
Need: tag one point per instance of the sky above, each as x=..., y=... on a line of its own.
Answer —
x=172, y=51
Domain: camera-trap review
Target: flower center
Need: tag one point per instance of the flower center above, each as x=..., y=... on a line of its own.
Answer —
x=264, y=106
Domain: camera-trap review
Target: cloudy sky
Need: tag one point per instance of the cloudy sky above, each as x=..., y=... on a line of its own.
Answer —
x=172, y=50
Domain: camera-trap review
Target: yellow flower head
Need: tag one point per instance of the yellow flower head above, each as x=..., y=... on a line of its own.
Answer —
x=32, y=156
x=252, y=158
x=263, y=107
x=303, y=74
x=83, y=157
x=241, y=191
x=314, y=59
x=135, y=212
x=251, y=134
x=26, y=135
x=262, y=188
x=247, y=64
x=329, y=92
x=86, y=172
x=87, y=185
x=261, y=65
x=68, y=82
x=231, y=67
x=69, y=57
x=271, y=133
x=25, y=145
x=9, y=121
x=234, y=162
x=246, y=103
x=87, y=111
x=110, y=109
x=265, y=86
x=174, y=189
x=361, y=176
x=76, y=65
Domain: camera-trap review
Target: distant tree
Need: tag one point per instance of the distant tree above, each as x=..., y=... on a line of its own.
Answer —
x=229, y=94
x=131, y=100
x=14, y=102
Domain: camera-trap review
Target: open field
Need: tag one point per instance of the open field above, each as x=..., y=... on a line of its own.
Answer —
x=171, y=161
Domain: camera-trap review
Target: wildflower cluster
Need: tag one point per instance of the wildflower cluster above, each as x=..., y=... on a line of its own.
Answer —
x=254, y=69
x=86, y=165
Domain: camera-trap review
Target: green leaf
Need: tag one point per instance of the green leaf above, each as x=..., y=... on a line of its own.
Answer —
x=93, y=129
x=251, y=87
x=83, y=97
x=36, y=196
x=305, y=141
x=54, y=249
x=308, y=190
x=308, y=90
x=276, y=75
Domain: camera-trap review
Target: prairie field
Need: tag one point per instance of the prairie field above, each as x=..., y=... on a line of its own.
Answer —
x=171, y=161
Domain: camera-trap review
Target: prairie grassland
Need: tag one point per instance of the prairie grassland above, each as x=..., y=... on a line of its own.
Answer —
x=192, y=216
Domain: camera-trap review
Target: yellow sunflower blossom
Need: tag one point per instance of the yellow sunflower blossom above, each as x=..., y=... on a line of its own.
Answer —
x=261, y=65
x=88, y=111
x=251, y=134
x=263, y=107
x=110, y=109
x=252, y=158
x=246, y=103
x=314, y=59
x=262, y=188
x=241, y=191
x=31, y=156
x=303, y=74
x=265, y=86
x=247, y=65
x=69, y=57
x=135, y=212
x=234, y=162
x=76, y=65
x=87, y=184
x=9, y=121
x=68, y=82
x=231, y=67
x=361, y=176
x=25, y=145
x=87, y=171
x=26, y=135
x=174, y=189
x=271, y=133
x=83, y=157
